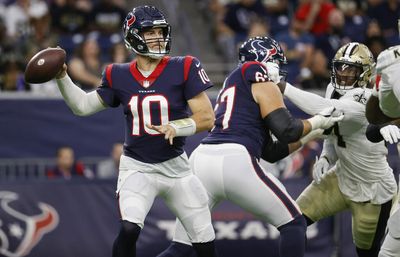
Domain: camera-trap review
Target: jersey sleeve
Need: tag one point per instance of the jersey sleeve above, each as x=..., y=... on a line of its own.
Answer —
x=196, y=78
x=328, y=150
x=312, y=104
x=106, y=91
x=389, y=91
x=255, y=72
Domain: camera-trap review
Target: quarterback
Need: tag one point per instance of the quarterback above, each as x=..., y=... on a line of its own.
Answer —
x=156, y=92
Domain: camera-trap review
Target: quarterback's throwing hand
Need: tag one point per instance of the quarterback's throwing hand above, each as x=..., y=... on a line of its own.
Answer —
x=321, y=167
x=390, y=133
x=168, y=131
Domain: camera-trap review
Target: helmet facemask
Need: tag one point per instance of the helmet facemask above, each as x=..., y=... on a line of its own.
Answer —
x=144, y=46
x=157, y=46
x=351, y=67
x=346, y=75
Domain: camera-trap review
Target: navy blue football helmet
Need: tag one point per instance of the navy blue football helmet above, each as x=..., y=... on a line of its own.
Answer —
x=141, y=19
x=262, y=49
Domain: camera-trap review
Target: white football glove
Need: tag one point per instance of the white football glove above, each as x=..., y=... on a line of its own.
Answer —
x=273, y=71
x=326, y=118
x=390, y=133
x=314, y=134
x=321, y=167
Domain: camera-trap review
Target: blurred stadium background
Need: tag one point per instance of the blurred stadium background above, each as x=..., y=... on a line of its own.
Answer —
x=44, y=213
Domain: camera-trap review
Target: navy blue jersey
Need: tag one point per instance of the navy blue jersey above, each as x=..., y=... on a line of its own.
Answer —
x=238, y=117
x=155, y=100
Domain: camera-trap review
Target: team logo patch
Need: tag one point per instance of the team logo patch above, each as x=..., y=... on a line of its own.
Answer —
x=19, y=232
x=360, y=98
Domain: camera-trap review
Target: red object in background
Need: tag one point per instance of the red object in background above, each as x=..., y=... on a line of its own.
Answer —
x=321, y=23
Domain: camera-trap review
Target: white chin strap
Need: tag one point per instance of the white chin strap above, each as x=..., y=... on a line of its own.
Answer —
x=155, y=55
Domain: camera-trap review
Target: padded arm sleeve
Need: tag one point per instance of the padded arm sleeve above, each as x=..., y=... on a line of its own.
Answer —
x=80, y=102
x=285, y=128
x=312, y=104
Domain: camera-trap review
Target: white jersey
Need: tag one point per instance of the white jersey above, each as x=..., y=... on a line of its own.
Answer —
x=361, y=167
x=388, y=67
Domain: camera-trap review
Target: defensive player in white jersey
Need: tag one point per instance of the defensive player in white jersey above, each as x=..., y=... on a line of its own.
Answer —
x=249, y=109
x=352, y=173
x=383, y=110
x=157, y=92
x=384, y=104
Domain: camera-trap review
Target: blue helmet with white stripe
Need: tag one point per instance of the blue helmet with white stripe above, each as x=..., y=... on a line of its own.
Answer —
x=352, y=67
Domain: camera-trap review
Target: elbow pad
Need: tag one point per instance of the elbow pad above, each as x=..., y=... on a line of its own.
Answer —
x=285, y=128
x=373, y=133
x=275, y=151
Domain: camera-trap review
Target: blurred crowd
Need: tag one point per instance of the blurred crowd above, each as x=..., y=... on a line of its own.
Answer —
x=309, y=31
x=89, y=31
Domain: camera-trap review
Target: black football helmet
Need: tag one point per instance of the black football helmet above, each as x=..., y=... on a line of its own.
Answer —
x=139, y=20
x=262, y=49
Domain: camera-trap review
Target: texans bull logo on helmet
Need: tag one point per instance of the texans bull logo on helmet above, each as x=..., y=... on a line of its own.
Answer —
x=19, y=232
x=262, y=49
x=262, y=52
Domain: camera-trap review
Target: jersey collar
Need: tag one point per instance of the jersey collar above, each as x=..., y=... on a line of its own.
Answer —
x=142, y=80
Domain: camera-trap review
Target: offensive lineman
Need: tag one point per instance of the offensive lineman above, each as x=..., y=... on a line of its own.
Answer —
x=153, y=89
x=352, y=173
x=250, y=107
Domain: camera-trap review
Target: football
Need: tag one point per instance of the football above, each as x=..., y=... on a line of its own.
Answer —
x=44, y=65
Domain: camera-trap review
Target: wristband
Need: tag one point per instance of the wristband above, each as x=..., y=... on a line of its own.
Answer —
x=183, y=127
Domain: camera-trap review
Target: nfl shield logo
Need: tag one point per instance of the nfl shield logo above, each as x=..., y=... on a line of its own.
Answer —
x=146, y=83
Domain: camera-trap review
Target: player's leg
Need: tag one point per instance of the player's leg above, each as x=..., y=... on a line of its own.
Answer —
x=368, y=226
x=322, y=200
x=260, y=193
x=204, y=164
x=188, y=200
x=181, y=245
x=136, y=196
x=391, y=244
